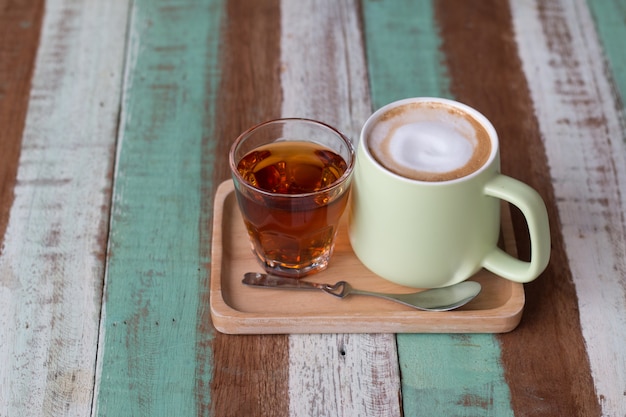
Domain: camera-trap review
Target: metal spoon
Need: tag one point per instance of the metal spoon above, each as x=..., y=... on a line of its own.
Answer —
x=436, y=299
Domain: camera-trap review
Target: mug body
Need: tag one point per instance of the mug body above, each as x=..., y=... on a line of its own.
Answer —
x=418, y=233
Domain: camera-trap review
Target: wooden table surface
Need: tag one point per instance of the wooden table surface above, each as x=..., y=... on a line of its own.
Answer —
x=115, y=122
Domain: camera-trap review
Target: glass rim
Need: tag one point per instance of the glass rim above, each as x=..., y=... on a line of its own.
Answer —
x=337, y=183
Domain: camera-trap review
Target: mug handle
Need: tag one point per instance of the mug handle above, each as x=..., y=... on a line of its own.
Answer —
x=534, y=210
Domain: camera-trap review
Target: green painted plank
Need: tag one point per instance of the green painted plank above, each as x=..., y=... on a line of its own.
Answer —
x=452, y=375
x=610, y=18
x=441, y=374
x=156, y=272
x=403, y=53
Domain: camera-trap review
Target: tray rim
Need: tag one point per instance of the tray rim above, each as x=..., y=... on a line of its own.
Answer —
x=229, y=320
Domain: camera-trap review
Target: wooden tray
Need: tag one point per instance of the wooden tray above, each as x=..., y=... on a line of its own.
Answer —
x=239, y=309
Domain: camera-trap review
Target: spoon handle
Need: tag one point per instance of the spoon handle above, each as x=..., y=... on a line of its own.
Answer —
x=271, y=281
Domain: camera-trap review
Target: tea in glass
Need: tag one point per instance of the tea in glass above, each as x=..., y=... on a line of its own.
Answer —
x=292, y=180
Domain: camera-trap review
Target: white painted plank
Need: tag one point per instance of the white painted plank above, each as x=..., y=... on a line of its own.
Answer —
x=324, y=72
x=584, y=140
x=344, y=375
x=52, y=264
x=324, y=77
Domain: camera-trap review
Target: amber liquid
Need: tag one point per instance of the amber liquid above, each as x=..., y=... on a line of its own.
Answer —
x=291, y=232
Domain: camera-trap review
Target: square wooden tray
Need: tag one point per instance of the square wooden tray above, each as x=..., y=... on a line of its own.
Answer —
x=239, y=309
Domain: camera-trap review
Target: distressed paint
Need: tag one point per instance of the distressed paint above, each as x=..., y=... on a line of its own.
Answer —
x=610, y=19
x=156, y=269
x=252, y=369
x=20, y=26
x=209, y=160
x=584, y=139
x=52, y=265
x=452, y=375
x=438, y=371
x=541, y=379
x=403, y=51
x=343, y=375
x=324, y=77
x=61, y=308
x=324, y=74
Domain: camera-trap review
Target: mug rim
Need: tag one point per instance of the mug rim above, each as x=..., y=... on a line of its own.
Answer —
x=345, y=177
x=472, y=112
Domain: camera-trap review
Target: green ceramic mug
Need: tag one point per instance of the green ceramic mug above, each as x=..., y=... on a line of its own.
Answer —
x=425, y=209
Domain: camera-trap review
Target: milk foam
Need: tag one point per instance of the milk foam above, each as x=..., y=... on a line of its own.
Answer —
x=429, y=147
x=429, y=142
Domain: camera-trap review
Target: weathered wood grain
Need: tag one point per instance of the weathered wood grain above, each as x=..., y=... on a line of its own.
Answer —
x=609, y=17
x=439, y=375
x=315, y=76
x=250, y=373
x=579, y=114
x=20, y=25
x=403, y=49
x=541, y=379
x=549, y=74
x=52, y=264
x=323, y=67
x=156, y=271
x=324, y=77
x=344, y=375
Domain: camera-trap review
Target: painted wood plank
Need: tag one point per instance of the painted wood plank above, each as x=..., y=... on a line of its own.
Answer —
x=541, y=379
x=344, y=375
x=20, y=25
x=250, y=373
x=404, y=52
x=156, y=270
x=583, y=134
x=52, y=265
x=324, y=74
x=327, y=84
x=324, y=77
x=441, y=374
x=609, y=17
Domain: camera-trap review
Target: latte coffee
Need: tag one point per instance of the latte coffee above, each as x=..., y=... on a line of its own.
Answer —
x=429, y=141
x=427, y=185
